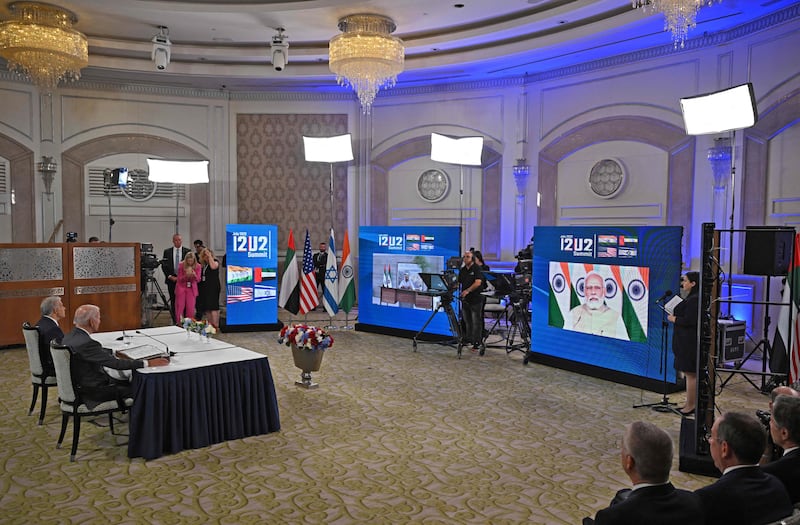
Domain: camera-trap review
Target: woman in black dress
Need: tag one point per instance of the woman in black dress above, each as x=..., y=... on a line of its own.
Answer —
x=209, y=288
x=684, y=338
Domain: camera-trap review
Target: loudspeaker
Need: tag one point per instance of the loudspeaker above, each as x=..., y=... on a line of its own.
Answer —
x=768, y=250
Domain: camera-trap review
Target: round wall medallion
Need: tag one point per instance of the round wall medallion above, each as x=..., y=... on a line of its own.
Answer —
x=139, y=187
x=607, y=178
x=433, y=185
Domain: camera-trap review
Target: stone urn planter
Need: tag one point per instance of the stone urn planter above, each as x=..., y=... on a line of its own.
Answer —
x=308, y=344
x=308, y=361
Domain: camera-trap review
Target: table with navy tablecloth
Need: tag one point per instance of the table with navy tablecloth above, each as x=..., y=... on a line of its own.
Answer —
x=209, y=393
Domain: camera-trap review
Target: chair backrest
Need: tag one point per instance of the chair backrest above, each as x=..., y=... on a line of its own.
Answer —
x=31, y=334
x=61, y=359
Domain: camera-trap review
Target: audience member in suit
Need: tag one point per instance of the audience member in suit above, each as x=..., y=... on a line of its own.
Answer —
x=744, y=494
x=647, y=459
x=169, y=265
x=89, y=359
x=784, y=426
x=53, y=311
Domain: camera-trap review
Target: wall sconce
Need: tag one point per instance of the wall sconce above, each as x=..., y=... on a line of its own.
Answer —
x=521, y=172
x=47, y=167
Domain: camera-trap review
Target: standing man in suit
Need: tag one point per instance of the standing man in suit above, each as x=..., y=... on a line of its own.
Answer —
x=320, y=260
x=53, y=311
x=784, y=426
x=647, y=459
x=169, y=265
x=89, y=359
x=744, y=494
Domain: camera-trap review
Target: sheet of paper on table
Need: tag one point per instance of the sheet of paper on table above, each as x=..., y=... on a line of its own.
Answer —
x=140, y=352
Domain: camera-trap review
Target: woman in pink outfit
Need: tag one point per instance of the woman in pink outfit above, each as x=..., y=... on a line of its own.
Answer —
x=186, y=287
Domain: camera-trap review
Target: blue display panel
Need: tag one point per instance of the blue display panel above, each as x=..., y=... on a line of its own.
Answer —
x=595, y=291
x=251, y=273
x=391, y=293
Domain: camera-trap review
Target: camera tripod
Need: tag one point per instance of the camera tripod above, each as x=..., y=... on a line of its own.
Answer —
x=446, y=305
x=149, y=288
x=520, y=325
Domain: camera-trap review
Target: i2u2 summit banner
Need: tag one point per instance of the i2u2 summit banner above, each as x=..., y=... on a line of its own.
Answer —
x=251, y=275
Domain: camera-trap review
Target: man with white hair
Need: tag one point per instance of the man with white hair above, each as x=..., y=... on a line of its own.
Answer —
x=646, y=457
x=594, y=316
x=89, y=359
x=53, y=311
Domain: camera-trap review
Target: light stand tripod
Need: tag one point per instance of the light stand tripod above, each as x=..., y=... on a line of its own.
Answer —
x=664, y=405
x=149, y=288
x=446, y=305
x=520, y=325
x=108, y=177
x=765, y=348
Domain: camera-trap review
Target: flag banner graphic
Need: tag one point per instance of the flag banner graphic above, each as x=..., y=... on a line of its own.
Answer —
x=787, y=335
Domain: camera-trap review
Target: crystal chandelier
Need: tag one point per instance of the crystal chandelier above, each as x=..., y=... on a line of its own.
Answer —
x=366, y=56
x=679, y=15
x=41, y=44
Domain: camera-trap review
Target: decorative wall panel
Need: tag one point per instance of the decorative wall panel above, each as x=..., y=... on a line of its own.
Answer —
x=275, y=183
x=103, y=262
x=30, y=264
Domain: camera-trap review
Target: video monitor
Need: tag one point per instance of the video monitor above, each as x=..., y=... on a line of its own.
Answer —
x=500, y=283
x=434, y=282
x=251, y=274
x=593, y=300
x=392, y=292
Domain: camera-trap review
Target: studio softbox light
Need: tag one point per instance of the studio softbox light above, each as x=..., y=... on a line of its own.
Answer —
x=465, y=151
x=178, y=171
x=328, y=149
x=726, y=110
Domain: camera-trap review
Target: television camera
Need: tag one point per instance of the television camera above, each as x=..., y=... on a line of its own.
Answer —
x=148, y=262
x=442, y=285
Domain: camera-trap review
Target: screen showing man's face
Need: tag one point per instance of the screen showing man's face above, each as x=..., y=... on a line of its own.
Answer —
x=595, y=291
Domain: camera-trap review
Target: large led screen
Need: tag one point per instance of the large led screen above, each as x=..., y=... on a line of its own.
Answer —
x=391, y=292
x=251, y=274
x=594, y=296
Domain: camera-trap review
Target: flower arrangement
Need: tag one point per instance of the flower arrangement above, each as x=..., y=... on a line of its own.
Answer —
x=198, y=327
x=305, y=336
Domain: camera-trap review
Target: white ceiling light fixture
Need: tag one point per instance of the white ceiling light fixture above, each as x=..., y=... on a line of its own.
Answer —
x=280, y=50
x=162, y=52
x=679, y=15
x=366, y=56
x=40, y=43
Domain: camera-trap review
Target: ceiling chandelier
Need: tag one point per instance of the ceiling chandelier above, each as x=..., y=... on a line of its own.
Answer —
x=366, y=56
x=679, y=15
x=40, y=43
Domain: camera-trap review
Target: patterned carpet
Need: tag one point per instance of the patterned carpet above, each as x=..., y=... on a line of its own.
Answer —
x=390, y=436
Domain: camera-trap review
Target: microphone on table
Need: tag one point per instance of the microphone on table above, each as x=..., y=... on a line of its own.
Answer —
x=166, y=346
x=123, y=336
x=664, y=297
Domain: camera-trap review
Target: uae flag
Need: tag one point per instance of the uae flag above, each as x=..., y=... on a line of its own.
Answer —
x=289, y=298
x=787, y=335
x=347, y=286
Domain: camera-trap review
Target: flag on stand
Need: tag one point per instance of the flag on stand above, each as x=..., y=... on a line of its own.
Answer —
x=330, y=294
x=289, y=298
x=389, y=276
x=308, y=282
x=347, y=287
x=787, y=335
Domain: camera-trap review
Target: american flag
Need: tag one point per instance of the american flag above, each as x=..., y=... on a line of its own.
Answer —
x=308, y=283
x=239, y=294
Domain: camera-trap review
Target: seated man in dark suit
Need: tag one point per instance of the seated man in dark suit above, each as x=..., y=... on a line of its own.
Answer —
x=744, y=494
x=53, y=311
x=784, y=426
x=89, y=357
x=647, y=459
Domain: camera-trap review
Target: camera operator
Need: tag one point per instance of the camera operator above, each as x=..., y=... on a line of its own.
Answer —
x=785, y=431
x=773, y=451
x=471, y=278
